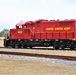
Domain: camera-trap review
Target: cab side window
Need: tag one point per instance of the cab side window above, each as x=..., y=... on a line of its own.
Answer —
x=24, y=27
x=20, y=27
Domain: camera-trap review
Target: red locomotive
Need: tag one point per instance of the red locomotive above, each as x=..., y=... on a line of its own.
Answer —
x=56, y=33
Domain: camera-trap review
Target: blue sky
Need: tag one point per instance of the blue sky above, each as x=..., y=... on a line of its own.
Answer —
x=13, y=11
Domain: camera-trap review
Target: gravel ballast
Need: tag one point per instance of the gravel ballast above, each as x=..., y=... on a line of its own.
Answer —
x=38, y=59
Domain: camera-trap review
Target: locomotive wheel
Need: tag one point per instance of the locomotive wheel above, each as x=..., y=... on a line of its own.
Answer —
x=19, y=46
x=72, y=47
x=5, y=46
x=31, y=47
x=13, y=45
x=23, y=45
x=62, y=45
x=56, y=45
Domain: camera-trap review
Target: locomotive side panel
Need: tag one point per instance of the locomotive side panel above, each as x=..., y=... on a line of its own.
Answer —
x=59, y=34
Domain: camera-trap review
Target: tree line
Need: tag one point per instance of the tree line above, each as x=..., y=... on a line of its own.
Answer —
x=4, y=33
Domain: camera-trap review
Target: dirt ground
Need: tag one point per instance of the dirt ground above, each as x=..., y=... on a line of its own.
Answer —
x=23, y=67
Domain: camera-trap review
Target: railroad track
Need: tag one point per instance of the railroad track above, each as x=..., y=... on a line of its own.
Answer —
x=28, y=48
x=44, y=48
x=71, y=58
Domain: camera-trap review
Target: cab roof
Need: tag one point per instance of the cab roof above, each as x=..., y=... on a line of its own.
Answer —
x=20, y=23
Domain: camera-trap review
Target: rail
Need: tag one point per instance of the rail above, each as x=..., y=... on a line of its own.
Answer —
x=72, y=58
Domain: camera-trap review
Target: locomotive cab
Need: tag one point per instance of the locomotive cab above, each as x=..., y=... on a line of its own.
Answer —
x=20, y=25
